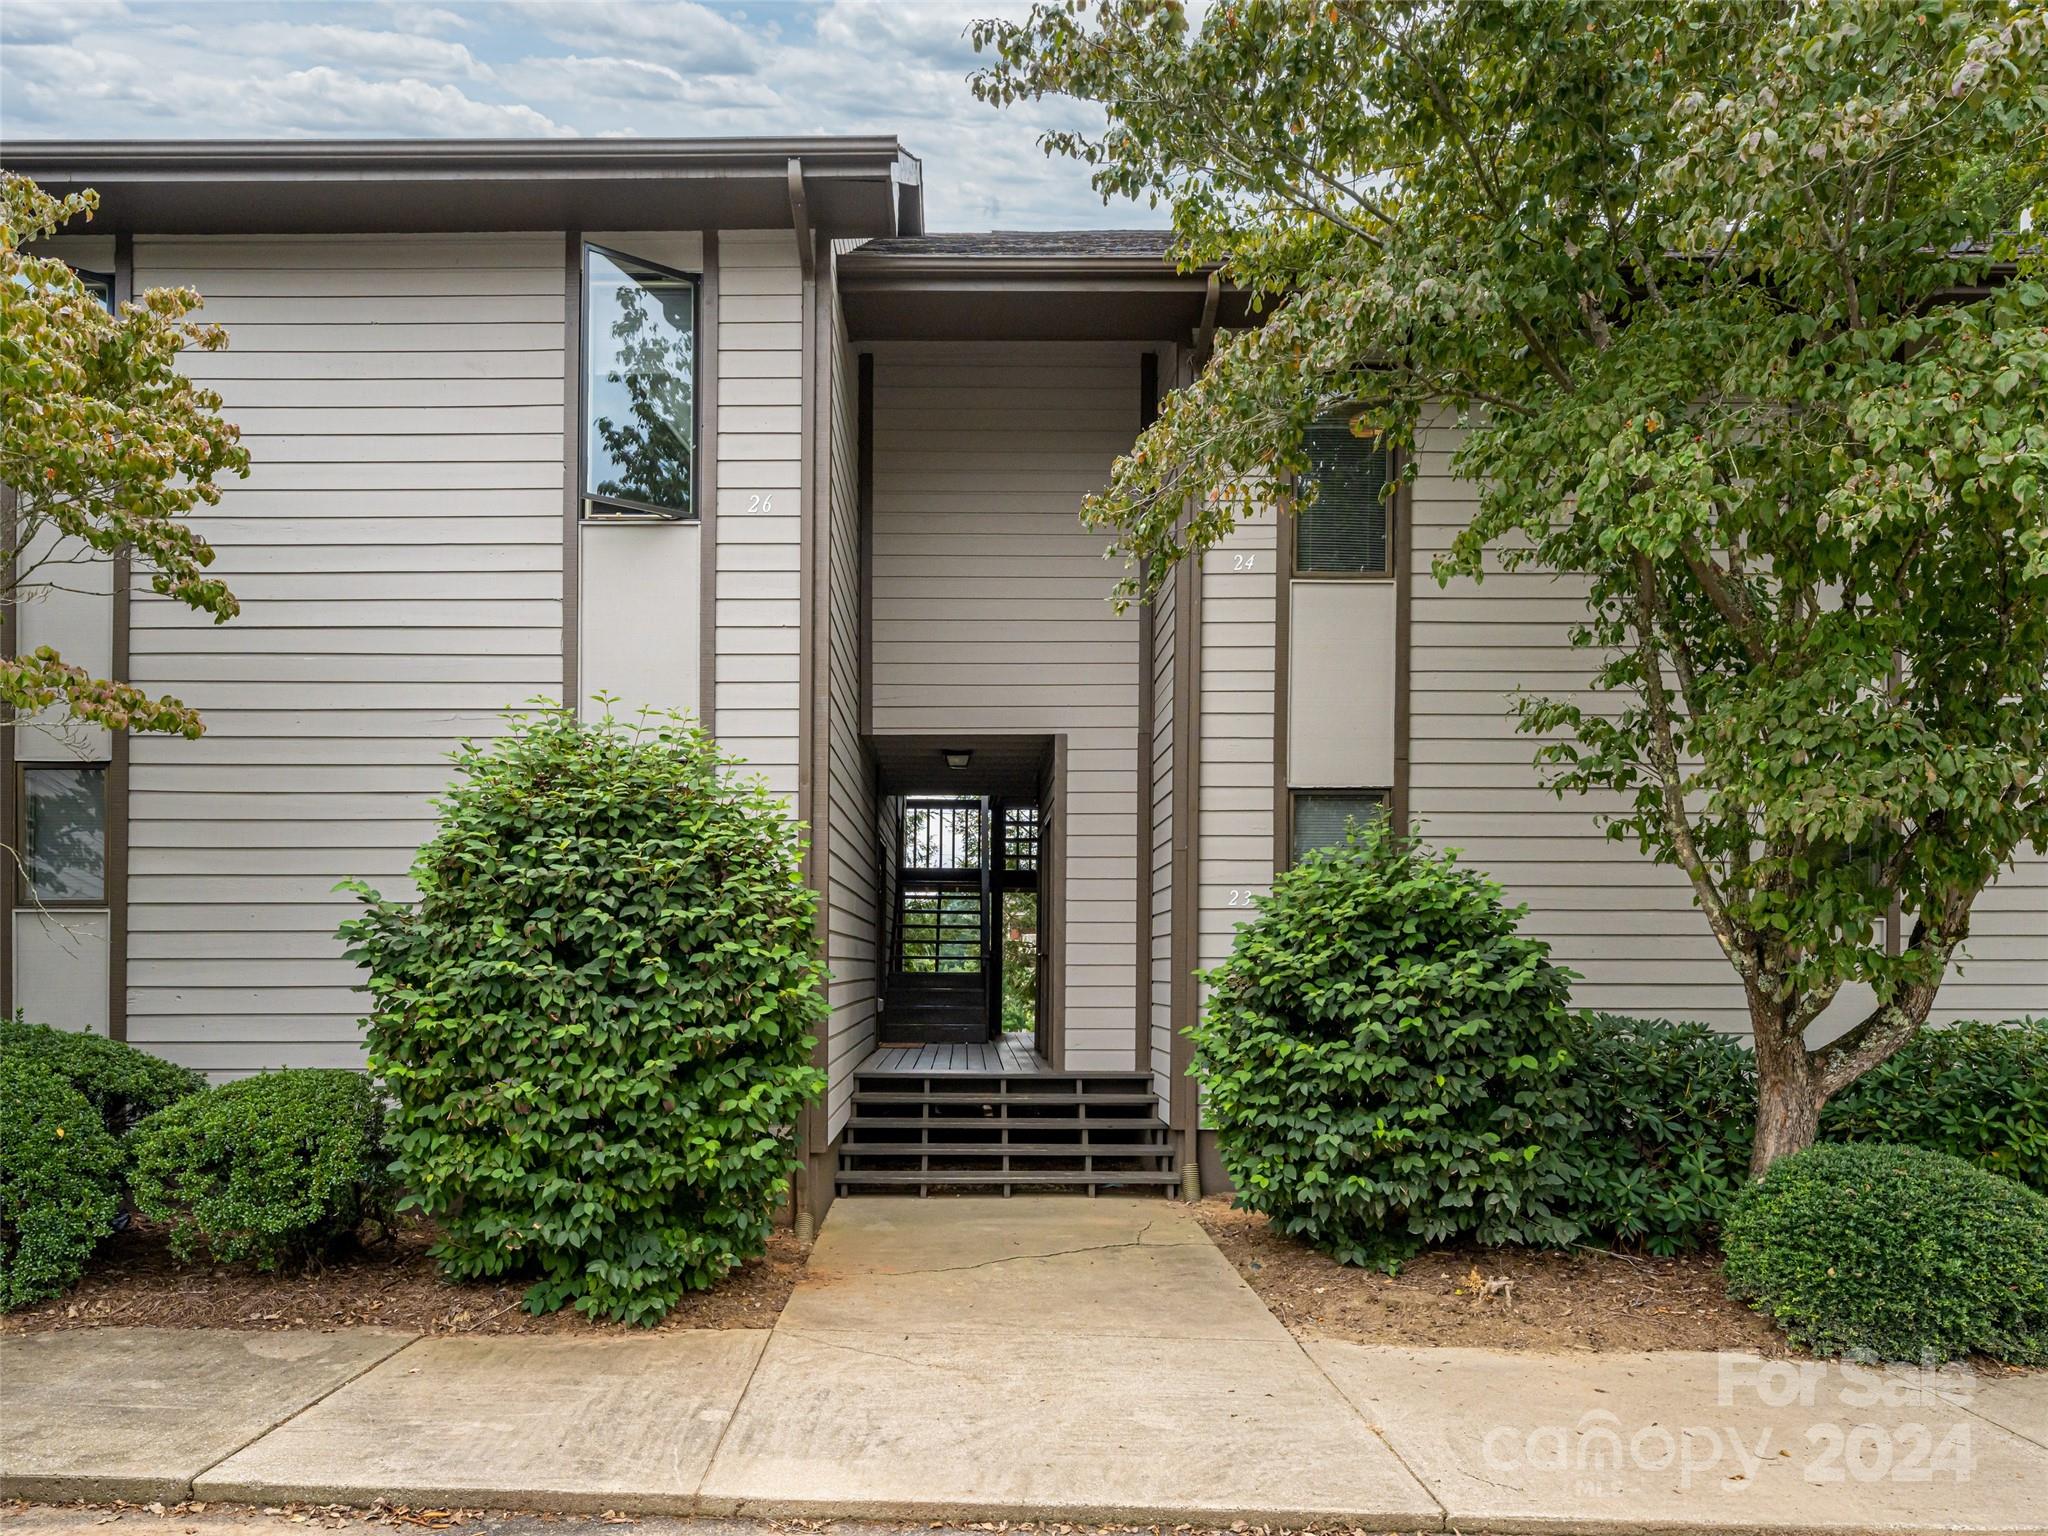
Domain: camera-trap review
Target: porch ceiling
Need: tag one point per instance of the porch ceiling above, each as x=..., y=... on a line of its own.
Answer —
x=1009, y=766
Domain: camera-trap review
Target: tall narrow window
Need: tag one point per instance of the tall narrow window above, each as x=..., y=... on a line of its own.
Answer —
x=1348, y=532
x=639, y=388
x=63, y=836
x=1322, y=818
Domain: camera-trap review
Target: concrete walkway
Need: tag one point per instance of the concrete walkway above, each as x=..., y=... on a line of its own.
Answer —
x=1048, y=1360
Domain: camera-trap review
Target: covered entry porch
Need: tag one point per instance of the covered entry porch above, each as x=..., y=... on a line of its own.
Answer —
x=973, y=670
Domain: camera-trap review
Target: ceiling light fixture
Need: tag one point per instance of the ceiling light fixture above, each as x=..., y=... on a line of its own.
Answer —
x=957, y=758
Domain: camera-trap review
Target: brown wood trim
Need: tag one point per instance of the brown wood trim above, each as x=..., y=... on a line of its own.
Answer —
x=8, y=875
x=1148, y=642
x=1185, y=947
x=1404, y=579
x=865, y=480
x=814, y=712
x=707, y=487
x=1148, y=412
x=572, y=466
x=118, y=755
x=1284, y=542
x=1056, y=891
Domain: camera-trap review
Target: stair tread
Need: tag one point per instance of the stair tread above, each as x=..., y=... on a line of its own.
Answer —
x=966, y=1077
x=1014, y=1149
x=1001, y=1176
x=892, y=1096
x=1035, y=1122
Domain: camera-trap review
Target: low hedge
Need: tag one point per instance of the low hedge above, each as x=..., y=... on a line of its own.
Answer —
x=1672, y=1110
x=1977, y=1091
x=272, y=1169
x=60, y=1182
x=1893, y=1253
x=1386, y=1060
x=122, y=1083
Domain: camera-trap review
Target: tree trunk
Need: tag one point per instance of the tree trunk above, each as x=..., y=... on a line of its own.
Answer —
x=1787, y=1095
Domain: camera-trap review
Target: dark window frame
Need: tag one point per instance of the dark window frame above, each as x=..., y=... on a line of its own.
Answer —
x=25, y=896
x=1392, y=502
x=1383, y=795
x=102, y=284
x=622, y=509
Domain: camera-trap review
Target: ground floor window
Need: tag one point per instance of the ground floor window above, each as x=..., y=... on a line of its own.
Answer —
x=62, y=835
x=1319, y=817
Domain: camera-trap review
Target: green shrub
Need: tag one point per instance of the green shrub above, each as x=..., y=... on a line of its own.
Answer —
x=1673, y=1116
x=119, y=1081
x=1893, y=1253
x=1977, y=1091
x=60, y=1182
x=271, y=1170
x=1671, y=1111
x=1385, y=1059
x=597, y=1021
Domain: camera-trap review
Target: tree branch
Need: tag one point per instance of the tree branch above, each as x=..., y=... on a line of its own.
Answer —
x=1664, y=758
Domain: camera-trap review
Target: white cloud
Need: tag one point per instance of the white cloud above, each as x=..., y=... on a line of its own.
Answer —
x=396, y=52
x=604, y=68
x=576, y=81
x=47, y=21
x=677, y=32
x=323, y=100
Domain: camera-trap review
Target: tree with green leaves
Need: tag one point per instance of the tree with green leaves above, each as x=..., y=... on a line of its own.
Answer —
x=107, y=446
x=1741, y=309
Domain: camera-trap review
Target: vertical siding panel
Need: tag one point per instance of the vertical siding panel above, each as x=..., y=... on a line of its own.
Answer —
x=1161, y=784
x=358, y=661
x=853, y=878
x=991, y=612
x=759, y=526
x=1237, y=631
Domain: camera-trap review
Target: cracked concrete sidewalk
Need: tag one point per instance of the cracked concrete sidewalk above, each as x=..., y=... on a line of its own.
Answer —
x=1048, y=1360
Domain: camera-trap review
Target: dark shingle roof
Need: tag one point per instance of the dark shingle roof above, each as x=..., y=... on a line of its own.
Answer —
x=1028, y=244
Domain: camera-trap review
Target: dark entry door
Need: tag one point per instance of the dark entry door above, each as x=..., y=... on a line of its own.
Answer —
x=943, y=984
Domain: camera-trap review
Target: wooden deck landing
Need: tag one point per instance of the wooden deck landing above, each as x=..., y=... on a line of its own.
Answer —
x=1011, y=1055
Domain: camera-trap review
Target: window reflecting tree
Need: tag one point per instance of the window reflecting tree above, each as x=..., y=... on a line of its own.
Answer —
x=641, y=387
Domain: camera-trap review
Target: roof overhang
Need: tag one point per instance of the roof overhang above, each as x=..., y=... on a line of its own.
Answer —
x=853, y=187
x=891, y=297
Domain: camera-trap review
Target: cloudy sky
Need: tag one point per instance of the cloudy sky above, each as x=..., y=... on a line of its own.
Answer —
x=187, y=69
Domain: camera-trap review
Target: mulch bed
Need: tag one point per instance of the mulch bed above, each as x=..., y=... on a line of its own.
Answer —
x=1492, y=1298
x=135, y=1283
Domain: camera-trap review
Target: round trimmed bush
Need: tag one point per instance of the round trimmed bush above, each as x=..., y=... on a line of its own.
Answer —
x=1386, y=1061
x=1893, y=1253
x=597, y=1020
x=60, y=1183
x=270, y=1170
x=119, y=1081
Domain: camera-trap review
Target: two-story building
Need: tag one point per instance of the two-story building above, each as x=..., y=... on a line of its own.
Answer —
x=718, y=426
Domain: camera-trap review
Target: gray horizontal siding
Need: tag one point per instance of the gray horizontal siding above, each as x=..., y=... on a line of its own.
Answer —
x=397, y=554
x=759, y=611
x=1627, y=926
